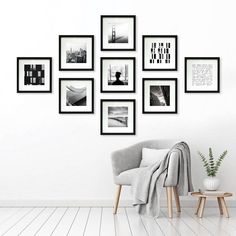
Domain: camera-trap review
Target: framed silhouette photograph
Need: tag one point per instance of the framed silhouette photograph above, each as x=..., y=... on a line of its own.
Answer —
x=117, y=117
x=34, y=74
x=159, y=95
x=76, y=95
x=160, y=52
x=117, y=74
x=202, y=75
x=76, y=52
x=118, y=32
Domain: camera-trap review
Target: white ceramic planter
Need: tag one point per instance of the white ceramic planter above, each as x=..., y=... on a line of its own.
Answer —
x=211, y=183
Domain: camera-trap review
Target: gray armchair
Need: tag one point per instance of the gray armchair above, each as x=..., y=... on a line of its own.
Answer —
x=126, y=162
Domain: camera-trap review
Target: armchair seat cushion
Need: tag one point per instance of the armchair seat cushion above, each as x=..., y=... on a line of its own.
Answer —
x=126, y=177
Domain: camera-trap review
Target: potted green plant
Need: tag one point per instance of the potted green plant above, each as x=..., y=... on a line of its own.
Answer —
x=212, y=166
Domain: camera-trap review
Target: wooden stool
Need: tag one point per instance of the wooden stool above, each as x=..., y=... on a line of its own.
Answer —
x=202, y=200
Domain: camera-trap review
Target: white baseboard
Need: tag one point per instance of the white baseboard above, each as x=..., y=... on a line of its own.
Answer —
x=98, y=203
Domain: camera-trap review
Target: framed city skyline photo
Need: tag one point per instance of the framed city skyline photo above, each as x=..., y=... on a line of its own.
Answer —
x=76, y=95
x=202, y=74
x=117, y=116
x=118, y=32
x=159, y=95
x=117, y=74
x=34, y=74
x=160, y=52
x=76, y=52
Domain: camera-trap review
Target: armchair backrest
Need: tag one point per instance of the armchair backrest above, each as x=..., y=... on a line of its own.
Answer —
x=130, y=157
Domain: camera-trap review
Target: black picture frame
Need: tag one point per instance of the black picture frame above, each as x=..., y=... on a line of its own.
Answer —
x=186, y=59
x=92, y=95
x=61, y=68
x=175, y=111
x=49, y=90
x=133, y=101
x=133, y=48
x=133, y=59
x=175, y=37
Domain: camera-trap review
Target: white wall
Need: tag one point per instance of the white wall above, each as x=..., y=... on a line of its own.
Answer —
x=47, y=156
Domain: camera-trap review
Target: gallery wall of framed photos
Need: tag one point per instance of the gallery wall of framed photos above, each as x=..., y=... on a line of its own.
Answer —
x=118, y=74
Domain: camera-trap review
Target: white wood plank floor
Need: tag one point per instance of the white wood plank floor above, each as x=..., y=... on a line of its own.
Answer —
x=98, y=221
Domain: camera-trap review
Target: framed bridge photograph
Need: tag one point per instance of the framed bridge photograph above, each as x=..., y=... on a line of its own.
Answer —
x=118, y=32
x=76, y=95
x=117, y=116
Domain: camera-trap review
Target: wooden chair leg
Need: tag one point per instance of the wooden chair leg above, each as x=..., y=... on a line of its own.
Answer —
x=169, y=201
x=117, y=198
x=177, y=202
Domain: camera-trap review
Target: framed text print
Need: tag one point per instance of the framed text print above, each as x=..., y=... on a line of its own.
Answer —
x=117, y=116
x=76, y=52
x=202, y=74
x=76, y=95
x=160, y=52
x=118, y=32
x=159, y=95
x=34, y=75
x=117, y=74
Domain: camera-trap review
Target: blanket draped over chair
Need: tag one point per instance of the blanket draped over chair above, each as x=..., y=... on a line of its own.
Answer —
x=147, y=187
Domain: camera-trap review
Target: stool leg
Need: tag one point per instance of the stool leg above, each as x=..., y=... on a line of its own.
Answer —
x=202, y=206
x=220, y=206
x=198, y=205
x=224, y=207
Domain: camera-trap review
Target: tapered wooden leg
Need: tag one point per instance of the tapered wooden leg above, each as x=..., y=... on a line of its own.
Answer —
x=177, y=202
x=220, y=206
x=224, y=207
x=117, y=199
x=198, y=205
x=169, y=201
x=202, y=206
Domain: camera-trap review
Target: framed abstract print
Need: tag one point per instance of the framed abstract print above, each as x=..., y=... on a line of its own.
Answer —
x=160, y=52
x=34, y=75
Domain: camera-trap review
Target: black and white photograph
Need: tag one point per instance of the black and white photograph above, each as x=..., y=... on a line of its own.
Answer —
x=117, y=116
x=202, y=74
x=118, y=32
x=34, y=74
x=117, y=74
x=76, y=52
x=160, y=52
x=76, y=95
x=159, y=95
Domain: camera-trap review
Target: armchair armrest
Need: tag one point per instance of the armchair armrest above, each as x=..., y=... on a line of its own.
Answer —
x=173, y=170
x=126, y=159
